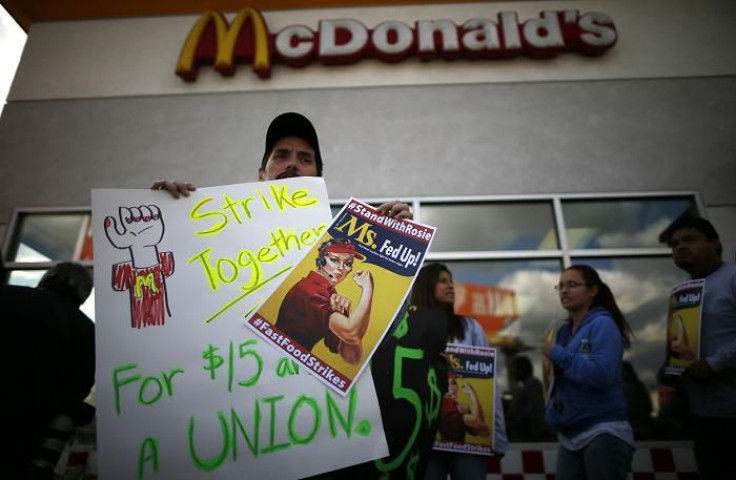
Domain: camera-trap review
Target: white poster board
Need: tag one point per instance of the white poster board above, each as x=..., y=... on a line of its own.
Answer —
x=184, y=389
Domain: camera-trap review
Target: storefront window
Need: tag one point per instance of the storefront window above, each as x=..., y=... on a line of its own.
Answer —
x=618, y=223
x=531, y=281
x=48, y=237
x=25, y=278
x=518, y=320
x=475, y=227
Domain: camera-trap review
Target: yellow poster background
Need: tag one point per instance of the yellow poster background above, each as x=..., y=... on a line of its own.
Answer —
x=389, y=290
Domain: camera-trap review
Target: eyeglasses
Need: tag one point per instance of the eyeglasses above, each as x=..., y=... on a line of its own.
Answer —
x=569, y=285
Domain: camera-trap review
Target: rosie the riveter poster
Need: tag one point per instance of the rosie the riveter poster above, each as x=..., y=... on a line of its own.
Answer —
x=335, y=306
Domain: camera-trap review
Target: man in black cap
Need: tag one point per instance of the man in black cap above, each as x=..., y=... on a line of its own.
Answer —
x=292, y=150
x=290, y=136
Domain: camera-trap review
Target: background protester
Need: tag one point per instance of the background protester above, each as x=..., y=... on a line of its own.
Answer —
x=433, y=289
x=639, y=403
x=526, y=407
x=587, y=407
x=52, y=344
x=710, y=382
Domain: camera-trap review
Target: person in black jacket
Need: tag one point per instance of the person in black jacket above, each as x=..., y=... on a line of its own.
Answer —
x=50, y=368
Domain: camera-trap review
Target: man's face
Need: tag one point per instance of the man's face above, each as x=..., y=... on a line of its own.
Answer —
x=290, y=157
x=337, y=267
x=692, y=251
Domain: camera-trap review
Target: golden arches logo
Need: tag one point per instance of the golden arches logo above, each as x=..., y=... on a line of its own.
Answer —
x=226, y=38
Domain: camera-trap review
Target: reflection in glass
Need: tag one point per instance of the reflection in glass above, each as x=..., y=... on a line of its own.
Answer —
x=536, y=303
x=49, y=237
x=530, y=280
x=491, y=226
x=620, y=223
x=641, y=287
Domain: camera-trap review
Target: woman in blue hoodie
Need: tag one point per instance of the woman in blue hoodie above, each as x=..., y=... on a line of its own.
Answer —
x=587, y=406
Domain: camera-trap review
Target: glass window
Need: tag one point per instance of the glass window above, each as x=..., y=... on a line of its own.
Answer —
x=519, y=321
x=52, y=237
x=491, y=226
x=25, y=278
x=621, y=223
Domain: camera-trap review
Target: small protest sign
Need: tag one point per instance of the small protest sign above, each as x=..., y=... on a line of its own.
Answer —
x=467, y=412
x=332, y=310
x=683, y=326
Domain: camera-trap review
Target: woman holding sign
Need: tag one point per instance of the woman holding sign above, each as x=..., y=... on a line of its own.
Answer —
x=433, y=289
x=587, y=406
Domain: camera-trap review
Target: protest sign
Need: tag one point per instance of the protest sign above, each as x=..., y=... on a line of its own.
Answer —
x=467, y=412
x=184, y=389
x=335, y=306
x=683, y=326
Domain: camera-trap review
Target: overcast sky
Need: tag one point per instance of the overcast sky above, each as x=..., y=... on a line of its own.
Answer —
x=12, y=39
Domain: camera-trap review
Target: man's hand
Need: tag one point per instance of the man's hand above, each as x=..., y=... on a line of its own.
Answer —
x=546, y=348
x=698, y=372
x=397, y=210
x=176, y=188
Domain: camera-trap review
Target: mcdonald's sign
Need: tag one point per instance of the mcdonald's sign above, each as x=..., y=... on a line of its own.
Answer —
x=246, y=39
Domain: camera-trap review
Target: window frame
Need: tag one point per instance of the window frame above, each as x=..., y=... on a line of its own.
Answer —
x=416, y=203
x=12, y=232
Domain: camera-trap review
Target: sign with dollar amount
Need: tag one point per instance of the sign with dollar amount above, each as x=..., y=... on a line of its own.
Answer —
x=184, y=389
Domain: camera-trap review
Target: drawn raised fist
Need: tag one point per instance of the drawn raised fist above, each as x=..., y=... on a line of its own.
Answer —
x=139, y=226
x=138, y=230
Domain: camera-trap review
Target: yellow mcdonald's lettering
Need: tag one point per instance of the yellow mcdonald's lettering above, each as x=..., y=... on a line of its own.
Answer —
x=145, y=280
x=366, y=236
x=226, y=37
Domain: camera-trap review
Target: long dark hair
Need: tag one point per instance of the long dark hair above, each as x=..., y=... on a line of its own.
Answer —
x=604, y=298
x=422, y=297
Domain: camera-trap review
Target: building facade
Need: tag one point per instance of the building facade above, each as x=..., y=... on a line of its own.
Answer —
x=525, y=164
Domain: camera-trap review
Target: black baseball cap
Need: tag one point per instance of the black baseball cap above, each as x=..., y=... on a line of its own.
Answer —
x=292, y=124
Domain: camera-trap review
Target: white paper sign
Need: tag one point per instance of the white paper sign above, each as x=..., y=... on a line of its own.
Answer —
x=184, y=389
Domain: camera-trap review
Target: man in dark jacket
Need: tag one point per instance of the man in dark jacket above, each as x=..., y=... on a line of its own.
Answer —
x=50, y=367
